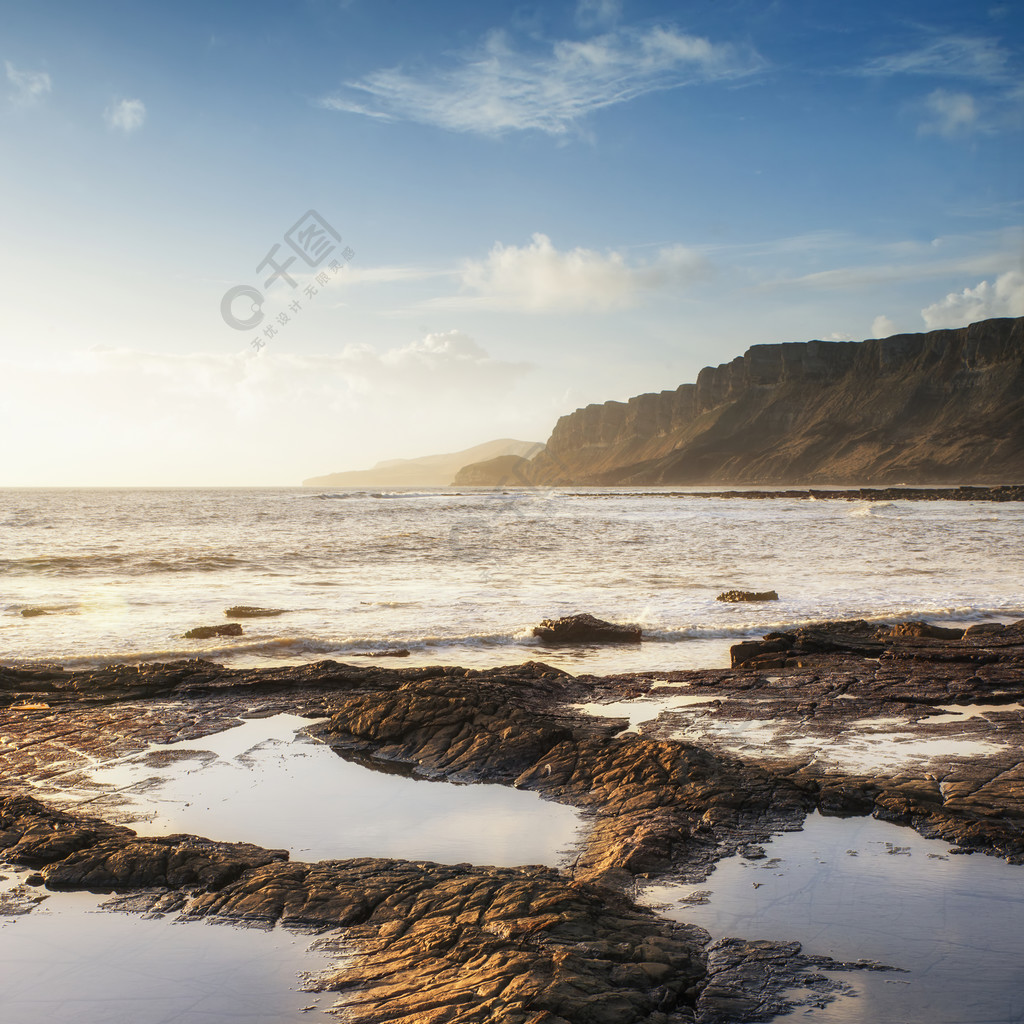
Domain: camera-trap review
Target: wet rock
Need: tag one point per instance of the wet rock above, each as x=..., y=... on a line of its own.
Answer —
x=586, y=629
x=30, y=613
x=433, y=942
x=466, y=944
x=737, y=596
x=75, y=852
x=984, y=629
x=206, y=632
x=749, y=980
x=245, y=611
x=921, y=629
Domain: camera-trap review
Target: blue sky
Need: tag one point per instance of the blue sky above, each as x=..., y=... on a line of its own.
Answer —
x=539, y=206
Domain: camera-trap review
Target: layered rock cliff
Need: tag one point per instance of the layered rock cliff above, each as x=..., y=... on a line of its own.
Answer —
x=942, y=407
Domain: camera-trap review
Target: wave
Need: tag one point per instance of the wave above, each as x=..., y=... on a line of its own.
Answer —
x=134, y=563
x=30, y=611
x=875, y=508
x=283, y=648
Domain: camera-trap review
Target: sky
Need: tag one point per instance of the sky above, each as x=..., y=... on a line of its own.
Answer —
x=244, y=244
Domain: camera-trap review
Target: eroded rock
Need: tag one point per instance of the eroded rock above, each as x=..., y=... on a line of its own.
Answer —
x=738, y=596
x=586, y=629
x=206, y=632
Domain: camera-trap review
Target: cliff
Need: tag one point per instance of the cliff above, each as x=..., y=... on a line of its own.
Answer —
x=427, y=471
x=942, y=407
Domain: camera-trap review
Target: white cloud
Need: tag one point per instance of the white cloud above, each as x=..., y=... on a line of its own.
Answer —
x=882, y=327
x=538, y=277
x=498, y=89
x=948, y=56
x=592, y=13
x=1005, y=297
x=126, y=115
x=29, y=86
x=950, y=114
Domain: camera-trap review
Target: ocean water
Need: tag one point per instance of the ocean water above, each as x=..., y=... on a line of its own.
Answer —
x=460, y=577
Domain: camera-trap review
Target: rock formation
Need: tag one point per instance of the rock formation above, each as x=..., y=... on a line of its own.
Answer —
x=474, y=944
x=942, y=407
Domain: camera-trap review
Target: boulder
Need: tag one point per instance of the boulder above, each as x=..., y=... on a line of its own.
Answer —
x=586, y=629
x=736, y=596
x=205, y=632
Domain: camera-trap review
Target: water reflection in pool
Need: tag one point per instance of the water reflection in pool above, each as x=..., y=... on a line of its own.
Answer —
x=69, y=961
x=262, y=783
x=859, y=888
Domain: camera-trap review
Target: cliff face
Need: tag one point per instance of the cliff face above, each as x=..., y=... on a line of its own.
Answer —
x=942, y=407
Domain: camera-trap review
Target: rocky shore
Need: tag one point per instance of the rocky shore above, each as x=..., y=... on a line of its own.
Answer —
x=543, y=945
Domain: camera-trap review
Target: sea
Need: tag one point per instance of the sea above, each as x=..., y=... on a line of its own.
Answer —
x=461, y=576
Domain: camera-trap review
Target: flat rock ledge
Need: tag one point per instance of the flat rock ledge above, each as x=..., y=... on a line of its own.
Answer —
x=453, y=944
x=436, y=942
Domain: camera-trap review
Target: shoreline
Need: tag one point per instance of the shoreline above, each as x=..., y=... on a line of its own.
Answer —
x=667, y=799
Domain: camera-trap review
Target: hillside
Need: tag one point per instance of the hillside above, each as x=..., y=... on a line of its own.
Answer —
x=428, y=471
x=935, y=408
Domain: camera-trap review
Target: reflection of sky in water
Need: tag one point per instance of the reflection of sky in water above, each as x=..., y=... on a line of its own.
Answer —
x=864, y=889
x=643, y=709
x=260, y=783
x=865, y=744
x=68, y=962
x=961, y=712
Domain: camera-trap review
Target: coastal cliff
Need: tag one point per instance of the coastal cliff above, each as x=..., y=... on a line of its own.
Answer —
x=935, y=408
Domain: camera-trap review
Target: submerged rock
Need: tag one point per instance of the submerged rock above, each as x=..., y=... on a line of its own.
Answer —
x=586, y=629
x=736, y=596
x=205, y=632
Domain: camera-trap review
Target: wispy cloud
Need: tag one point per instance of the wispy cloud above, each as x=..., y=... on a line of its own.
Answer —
x=950, y=114
x=126, y=115
x=1003, y=297
x=29, y=86
x=953, y=56
x=598, y=13
x=540, y=278
x=498, y=89
x=878, y=265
